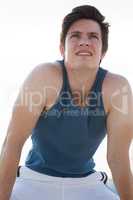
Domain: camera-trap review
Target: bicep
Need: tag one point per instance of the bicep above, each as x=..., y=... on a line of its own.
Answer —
x=120, y=123
x=119, y=138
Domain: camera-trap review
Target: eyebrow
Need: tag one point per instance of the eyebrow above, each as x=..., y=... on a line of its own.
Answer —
x=78, y=32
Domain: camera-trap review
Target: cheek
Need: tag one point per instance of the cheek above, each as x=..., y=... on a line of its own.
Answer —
x=98, y=48
x=71, y=43
x=70, y=49
x=69, y=46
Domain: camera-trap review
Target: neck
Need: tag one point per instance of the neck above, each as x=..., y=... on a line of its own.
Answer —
x=81, y=78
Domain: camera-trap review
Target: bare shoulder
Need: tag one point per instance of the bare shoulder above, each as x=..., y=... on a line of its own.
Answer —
x=46, y=72
x=114, y=81
x=37, y=85
x=114, y=86
x=43, y=75
x=46, y=78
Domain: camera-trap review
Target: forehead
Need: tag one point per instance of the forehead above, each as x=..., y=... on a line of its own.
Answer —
x=86, y=25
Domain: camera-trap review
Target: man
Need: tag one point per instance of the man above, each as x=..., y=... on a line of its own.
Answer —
x=68, y=106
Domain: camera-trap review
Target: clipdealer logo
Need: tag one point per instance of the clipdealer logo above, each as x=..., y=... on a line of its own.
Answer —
x=123, y=95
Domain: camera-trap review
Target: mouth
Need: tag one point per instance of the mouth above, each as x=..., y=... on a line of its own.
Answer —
x=84, y=53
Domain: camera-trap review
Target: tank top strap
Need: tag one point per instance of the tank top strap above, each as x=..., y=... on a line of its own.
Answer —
x=97, y=90
x=66, y=91
x=65, y=78
x=97, y=86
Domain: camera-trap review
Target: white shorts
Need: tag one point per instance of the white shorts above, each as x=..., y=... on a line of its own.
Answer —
x=31, y=185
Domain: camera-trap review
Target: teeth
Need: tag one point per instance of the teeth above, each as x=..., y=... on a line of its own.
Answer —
x=84, y=54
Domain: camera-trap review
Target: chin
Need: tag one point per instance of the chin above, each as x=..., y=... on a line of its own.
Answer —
x=82, y=63
x=86, y=65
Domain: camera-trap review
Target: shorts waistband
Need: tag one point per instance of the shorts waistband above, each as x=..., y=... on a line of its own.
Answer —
x=27, y=173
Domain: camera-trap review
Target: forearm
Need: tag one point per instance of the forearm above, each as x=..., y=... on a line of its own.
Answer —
x=9, y=161
x=123, y=180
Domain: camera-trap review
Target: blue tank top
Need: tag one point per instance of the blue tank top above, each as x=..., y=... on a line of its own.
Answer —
x=67, y=136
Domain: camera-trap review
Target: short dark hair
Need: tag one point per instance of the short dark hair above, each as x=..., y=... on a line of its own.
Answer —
x=86, y=12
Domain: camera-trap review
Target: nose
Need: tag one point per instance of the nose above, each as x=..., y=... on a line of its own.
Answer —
x=84, y=42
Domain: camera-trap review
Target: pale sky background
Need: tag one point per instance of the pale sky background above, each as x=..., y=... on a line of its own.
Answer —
x=29, y=35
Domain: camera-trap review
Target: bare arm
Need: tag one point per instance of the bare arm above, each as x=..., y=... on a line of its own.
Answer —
x=120, y=135
x=27, y=108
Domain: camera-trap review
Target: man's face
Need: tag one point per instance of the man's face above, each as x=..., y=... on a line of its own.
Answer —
x=83, y=44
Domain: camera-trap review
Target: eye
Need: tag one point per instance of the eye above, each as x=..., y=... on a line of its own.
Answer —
x=95, y=37
x=75, y=35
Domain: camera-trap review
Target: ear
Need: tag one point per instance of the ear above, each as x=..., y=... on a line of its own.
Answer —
x=62, y=50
